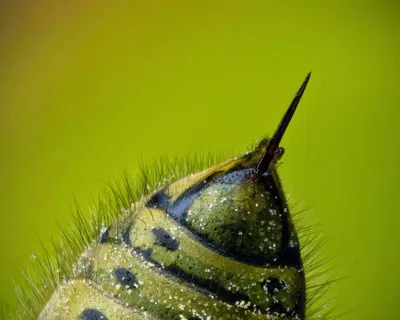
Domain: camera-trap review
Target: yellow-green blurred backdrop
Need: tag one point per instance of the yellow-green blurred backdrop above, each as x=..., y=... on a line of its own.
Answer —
x=89, y=87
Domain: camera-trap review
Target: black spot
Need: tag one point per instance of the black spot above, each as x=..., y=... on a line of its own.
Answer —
x=146, y=254
x=163, y=238
x=125, y=277
x=126, y=238
x=92, y=314
x=159, y=200
x=104, y=237
x=273, y=285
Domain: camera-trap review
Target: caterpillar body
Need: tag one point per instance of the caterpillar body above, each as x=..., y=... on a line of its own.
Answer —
x=216, y=244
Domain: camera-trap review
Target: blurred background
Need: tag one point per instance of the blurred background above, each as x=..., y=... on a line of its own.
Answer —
x=88, y=88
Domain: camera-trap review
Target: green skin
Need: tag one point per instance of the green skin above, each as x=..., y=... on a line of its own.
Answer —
x=219, y=260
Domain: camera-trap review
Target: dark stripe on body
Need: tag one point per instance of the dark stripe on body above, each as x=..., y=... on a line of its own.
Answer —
x=208, y=286
x=178, y=209
x=92, y=314
x=289, y=256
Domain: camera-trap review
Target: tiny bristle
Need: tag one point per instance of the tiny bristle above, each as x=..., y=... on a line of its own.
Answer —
x=319, y=275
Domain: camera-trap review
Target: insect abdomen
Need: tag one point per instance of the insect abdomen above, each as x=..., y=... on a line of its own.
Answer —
x=151, y=263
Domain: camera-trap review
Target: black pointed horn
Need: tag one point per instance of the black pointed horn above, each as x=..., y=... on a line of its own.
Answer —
x=268, y=155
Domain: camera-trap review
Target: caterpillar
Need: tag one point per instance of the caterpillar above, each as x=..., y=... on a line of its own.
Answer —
x=219, y=243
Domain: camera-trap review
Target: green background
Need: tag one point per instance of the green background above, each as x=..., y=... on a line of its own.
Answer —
x=89, y=87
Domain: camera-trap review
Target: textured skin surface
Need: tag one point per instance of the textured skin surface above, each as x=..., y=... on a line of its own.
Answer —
x=73, y=298
x=219, y=244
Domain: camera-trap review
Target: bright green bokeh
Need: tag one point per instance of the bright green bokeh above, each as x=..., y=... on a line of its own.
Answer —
x=86, y=90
